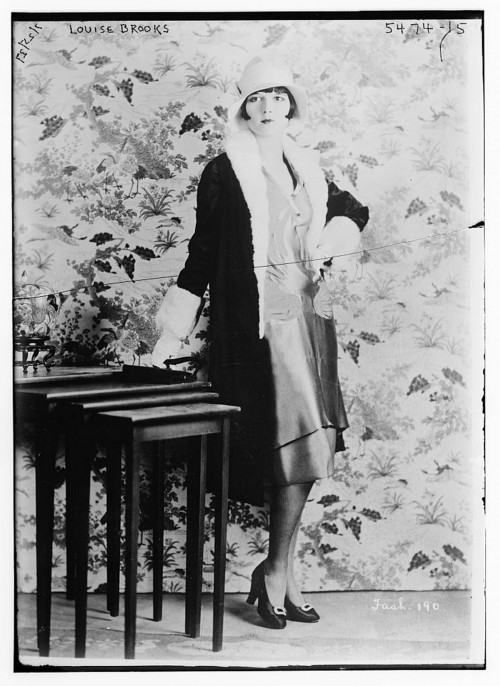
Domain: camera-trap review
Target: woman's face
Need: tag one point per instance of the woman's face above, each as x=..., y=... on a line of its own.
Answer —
x=267, y=113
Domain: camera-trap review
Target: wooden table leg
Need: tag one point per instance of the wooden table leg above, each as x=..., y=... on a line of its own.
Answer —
x=70, y=515
x=188, y=602
x=113, y=512
x=84, y=456
x=132, y=459
x=195, y=538
x=44, y=479
x=221, y=510
x=158, y=499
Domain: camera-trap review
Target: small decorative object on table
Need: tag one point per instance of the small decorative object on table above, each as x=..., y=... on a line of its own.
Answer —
x=35, y=311
x=160, y=375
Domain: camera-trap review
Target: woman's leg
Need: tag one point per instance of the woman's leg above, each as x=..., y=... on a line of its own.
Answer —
x=292, y=590
x=287, y=504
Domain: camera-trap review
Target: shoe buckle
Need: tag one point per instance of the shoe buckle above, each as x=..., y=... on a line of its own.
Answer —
x=279, y=611
x=306, y=607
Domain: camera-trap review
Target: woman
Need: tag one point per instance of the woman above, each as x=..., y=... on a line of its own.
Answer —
x=273, y=344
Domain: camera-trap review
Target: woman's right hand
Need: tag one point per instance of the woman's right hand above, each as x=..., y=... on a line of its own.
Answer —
x=167, y=346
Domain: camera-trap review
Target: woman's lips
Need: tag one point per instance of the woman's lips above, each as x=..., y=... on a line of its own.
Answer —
x=266, y=121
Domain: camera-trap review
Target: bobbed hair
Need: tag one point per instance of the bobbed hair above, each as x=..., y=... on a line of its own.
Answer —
x=275, y=89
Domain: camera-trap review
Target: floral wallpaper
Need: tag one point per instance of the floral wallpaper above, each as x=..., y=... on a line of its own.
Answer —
x=113, y=124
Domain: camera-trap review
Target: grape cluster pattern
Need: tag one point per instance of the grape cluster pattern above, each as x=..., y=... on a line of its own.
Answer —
x=354, y=524
x=420, y=559
x=416, y=206
x=126, y=86
x=52, y=126
x=102, y=90
x=369, y=161
x=143, y=76
x=323, y=146
x=371, y=338
x=99, y=111
x=191, y=123
x=99, y=61
x=418, y=383
x=329, y=499
x=371, y=514
x=274, y=34
x=453, y=376
x=353, y=349
x=352, y=172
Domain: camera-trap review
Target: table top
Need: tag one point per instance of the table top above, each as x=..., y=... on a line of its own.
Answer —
x=166, y=397
x=101, y=389
x=168, y=414
x=60, y=375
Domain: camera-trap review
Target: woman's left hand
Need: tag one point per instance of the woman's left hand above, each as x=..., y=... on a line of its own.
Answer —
x=323, y=301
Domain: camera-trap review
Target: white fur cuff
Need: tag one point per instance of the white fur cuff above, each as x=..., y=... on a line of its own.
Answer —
x=339, y=237
x=179, y=312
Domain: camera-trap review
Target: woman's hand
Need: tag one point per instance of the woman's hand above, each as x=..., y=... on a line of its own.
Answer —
x=167, y=346
x=323, y=301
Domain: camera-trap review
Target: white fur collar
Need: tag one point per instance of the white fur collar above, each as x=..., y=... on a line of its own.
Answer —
x=243, y=153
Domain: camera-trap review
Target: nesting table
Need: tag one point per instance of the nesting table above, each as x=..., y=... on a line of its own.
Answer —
x=127, y=415
x=134, y=427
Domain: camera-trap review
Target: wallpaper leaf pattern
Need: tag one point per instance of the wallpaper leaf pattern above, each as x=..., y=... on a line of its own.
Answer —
x=111, y=134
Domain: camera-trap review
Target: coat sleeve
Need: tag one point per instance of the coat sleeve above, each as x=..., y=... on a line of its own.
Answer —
x=180, y=310
x=203, y=245
x=343, y=204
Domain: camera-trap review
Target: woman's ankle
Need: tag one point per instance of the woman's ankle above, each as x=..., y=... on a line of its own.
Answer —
x=293, y=591
x=275, y=568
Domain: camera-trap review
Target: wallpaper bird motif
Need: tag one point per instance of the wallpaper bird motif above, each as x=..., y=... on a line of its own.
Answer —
x=113, y=124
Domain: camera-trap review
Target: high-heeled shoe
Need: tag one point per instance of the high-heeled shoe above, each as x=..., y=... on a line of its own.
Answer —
x=274, y=617
x=304, y=613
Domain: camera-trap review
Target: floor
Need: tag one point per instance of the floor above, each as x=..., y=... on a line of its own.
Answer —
x=356, y=628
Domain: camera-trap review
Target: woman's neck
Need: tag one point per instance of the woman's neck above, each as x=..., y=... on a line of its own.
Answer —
x=273, y=160
x=271, y=151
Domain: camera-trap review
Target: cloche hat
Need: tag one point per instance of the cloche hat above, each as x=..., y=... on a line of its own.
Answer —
x=265, y=71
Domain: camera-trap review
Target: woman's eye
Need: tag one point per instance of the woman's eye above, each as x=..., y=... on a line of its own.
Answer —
x=253, y=98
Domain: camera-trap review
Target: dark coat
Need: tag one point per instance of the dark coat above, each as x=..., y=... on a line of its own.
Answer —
x=221, y=257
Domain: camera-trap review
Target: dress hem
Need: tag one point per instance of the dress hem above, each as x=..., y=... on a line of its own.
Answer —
x=338, y=429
